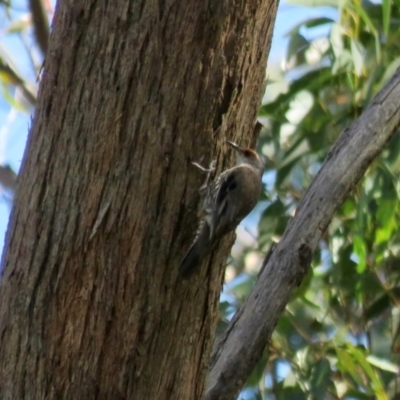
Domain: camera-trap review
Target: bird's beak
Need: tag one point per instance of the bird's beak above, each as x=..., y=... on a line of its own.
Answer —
x=234, y=145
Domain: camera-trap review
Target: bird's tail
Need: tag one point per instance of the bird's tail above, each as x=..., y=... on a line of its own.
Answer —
x=196, y=251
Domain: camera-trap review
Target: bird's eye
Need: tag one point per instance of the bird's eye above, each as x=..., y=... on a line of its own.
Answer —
x=248, y=153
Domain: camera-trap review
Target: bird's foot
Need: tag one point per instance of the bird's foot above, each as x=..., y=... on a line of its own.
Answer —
x=209, y=171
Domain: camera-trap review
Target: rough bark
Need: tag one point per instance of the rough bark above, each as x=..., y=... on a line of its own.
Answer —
x=91, y=305
x=238, y=350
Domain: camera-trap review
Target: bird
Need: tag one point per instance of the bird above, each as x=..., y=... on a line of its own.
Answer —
x=226, y=201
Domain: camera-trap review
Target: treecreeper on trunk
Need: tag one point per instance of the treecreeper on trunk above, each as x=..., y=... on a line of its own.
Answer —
x=226, y=201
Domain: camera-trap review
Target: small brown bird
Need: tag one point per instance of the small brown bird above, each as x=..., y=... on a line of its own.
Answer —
x=226, y=201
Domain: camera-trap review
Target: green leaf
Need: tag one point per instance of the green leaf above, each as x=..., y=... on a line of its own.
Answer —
x=348, y=364
x=358, y=58
x=354, y=394
x=311, y=81
x=386, y=216
x=359, y=357
x=361, y=11
x=320, y=379
x=343, y=62
x=360, y=251
x=389, y=71
x=298, y=44
x=336, y=39
x=314, y=3
x=383, y=364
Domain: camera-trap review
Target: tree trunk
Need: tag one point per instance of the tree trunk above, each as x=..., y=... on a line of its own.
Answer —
x=91, y=304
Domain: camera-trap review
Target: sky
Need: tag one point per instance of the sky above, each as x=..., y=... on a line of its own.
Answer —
x=14, y=125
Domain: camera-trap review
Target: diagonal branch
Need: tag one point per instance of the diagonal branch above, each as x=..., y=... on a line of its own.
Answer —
x=14, y=78
x=40, y=24
x=8, y=178
x=238, y=350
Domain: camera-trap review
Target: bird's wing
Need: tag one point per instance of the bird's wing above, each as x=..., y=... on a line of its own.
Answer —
x=221, y=207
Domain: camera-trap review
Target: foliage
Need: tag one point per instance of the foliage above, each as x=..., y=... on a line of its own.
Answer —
x=18, y=50
x=339, y=337
x=20, y=62
x=25, y=30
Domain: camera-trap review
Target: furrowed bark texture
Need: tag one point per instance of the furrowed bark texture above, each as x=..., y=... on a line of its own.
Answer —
x=238, y=350
x=91, y=305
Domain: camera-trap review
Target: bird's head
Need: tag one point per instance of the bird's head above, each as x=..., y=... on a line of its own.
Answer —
x=247, y=156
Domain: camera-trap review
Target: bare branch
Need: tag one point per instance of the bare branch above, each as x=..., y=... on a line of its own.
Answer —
x=8, y=178
x=16, y=80
x=40, y=24
x=239, y=349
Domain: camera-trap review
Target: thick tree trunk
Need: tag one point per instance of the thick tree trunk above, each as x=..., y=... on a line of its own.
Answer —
x=91, y=304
